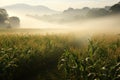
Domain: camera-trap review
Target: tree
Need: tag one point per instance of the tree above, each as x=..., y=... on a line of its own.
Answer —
x=3, y=17
x=8, y=22
x=115, y=8
x=14, y=21
x=97, y=12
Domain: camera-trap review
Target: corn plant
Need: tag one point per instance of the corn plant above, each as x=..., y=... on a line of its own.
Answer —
x=97, y=65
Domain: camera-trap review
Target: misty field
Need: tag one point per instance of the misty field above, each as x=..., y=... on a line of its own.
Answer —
x=59, y=57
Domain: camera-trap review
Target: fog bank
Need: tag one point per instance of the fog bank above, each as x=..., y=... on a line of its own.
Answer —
x=108, y=24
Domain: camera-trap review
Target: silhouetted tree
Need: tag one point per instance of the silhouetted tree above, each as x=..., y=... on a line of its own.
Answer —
x=115, y=8
x=3, y=17
x=8, y=22
x=85, y=8
x=14, y=21
x=97, y=12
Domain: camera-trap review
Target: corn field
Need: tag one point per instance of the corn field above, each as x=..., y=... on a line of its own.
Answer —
x=99, y=61
x=58, y=57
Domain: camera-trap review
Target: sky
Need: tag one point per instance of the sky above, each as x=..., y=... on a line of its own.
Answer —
x=62, y=4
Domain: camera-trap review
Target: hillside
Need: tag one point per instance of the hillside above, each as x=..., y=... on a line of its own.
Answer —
x=29, y=9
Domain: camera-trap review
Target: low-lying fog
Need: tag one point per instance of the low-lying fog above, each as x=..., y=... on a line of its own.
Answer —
x=108, y=24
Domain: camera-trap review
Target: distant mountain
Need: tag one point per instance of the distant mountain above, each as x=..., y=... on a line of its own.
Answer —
x=29, y=9
x=71, y=14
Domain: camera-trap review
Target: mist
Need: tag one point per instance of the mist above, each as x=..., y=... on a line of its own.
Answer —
x=84, y=20
x=107, y=24
x=30, y=23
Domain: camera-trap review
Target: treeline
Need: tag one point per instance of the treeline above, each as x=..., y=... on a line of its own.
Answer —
x=8, y=22
x=72, y=14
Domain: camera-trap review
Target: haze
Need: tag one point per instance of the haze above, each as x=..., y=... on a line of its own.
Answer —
x=102, y=24
x=62, y=4
x=108, y=24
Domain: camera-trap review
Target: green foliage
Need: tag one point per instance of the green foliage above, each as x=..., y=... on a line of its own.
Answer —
x=22, y=56
x=35, y=57
x=99, y=63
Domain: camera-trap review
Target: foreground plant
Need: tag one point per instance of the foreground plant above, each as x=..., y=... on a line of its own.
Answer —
x=97, y=65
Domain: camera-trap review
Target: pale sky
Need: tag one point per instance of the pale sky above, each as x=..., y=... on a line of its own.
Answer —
x=62, y=4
